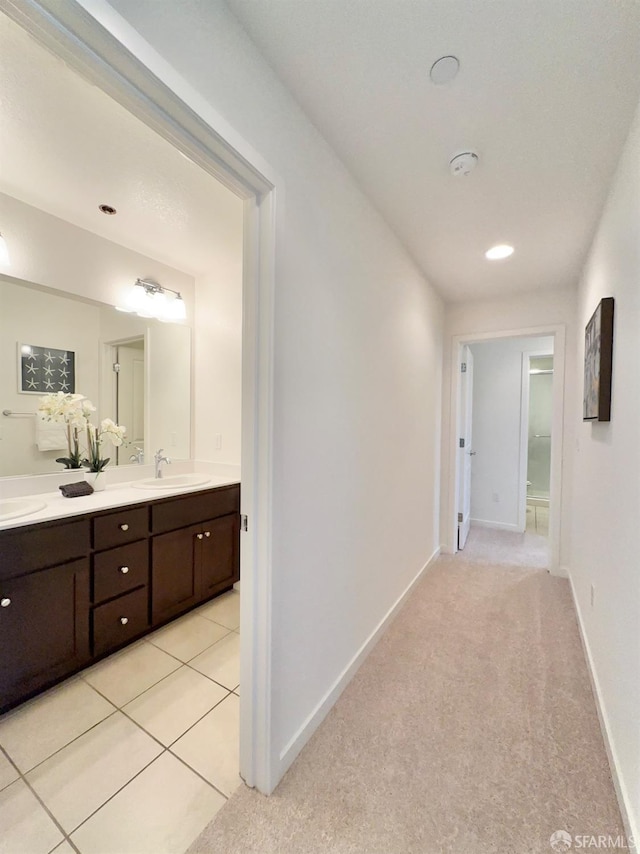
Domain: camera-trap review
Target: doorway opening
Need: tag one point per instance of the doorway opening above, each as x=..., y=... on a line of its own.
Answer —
x=109, y=60
x=128, y=395
x=505, y=445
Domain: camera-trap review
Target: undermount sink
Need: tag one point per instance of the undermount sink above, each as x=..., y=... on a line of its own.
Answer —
x=11, y=508
x=174, y=481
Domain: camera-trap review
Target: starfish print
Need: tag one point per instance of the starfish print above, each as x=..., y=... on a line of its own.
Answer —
x=64, y=359
x=48, y=357
x=31, y=369
x=48, y=384
x=32, y=384
x=48, y=371
x=63, y=373
x=64, y=385
x=30, y=357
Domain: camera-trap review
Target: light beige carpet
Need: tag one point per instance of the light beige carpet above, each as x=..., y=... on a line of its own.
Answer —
x=471, y=728
x=507, y=548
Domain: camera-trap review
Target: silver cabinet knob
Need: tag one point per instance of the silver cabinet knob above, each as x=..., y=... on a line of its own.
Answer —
x=207, y=533
x=123, y=569
x=124, y=620
x=5, y=602
x=199, y=536
x=124, y=527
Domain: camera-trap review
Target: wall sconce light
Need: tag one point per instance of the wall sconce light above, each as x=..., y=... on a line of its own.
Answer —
x=5, y=261
x=149, y=299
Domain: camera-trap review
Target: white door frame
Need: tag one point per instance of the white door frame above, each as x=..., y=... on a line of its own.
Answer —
x=555, y=515
x=93, y=39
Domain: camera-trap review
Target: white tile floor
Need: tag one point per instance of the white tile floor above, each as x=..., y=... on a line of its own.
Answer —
x=538, y=519
x=135, y=754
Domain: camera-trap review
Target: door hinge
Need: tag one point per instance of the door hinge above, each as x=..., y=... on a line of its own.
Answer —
x=463, y=368
x=116, y=367
x=459, y=517
x=462, y=443
x=244, y=523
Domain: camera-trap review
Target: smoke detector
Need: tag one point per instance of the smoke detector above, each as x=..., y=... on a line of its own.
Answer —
x=464, y=163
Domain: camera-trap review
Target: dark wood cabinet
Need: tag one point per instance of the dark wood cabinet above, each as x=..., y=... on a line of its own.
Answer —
x=44, y=628
x=219, y=558
x=193, y=563
x=72, y=591
x=174, y=584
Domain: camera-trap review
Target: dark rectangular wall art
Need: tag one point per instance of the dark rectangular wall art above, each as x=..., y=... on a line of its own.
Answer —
x=598, y=357
x=45, y=370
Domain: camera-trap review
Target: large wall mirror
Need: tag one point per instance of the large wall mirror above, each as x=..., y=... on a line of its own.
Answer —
x=135, y=370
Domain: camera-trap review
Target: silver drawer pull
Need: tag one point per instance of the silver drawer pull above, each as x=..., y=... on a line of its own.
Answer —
x=5, y=602
x=207, y=533
x=124, y=620
x=199, y=536
x=124, y=527
x=123, y=569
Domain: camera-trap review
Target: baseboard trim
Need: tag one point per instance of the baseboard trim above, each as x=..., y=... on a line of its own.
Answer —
x=499, y=526
x=315, y=718
x=631, y=831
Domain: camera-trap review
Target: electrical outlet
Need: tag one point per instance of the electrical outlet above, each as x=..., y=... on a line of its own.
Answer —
x=217, y=443
x=174, y=440
x=495, y=498
x=593, y=594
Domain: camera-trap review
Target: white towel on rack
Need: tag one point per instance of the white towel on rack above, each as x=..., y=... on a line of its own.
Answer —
x=50, y=435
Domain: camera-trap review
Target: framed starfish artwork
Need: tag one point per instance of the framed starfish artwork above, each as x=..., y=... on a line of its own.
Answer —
x=45, y=370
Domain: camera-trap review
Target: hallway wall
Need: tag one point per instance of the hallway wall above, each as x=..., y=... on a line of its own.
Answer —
x=357, y=372
x=607, y=479
x=519, y=312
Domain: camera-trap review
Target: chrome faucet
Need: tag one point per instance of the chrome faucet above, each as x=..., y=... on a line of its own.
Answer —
x=138, y=457
x=159, y=459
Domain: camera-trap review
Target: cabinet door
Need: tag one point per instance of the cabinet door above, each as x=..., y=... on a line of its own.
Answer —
x=220, y=555
x=174, y=586
x=44, y=628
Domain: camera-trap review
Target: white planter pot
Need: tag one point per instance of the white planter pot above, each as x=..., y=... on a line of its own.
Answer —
x=96, y=479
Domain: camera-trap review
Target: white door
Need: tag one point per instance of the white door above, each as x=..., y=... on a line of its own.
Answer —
x=465, y=451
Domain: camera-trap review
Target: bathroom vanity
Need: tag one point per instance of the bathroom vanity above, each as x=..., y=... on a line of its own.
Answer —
x=74, y=589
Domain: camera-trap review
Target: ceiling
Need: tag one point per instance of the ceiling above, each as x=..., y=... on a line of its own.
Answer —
x=545, y=94
x=66, y=147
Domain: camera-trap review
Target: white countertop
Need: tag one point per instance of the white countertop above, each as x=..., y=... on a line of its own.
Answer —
x=115, y=495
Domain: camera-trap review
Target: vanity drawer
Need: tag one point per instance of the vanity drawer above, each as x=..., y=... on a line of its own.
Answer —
x=177, y=513
x=117, y=622
x=124, y=526
x=37, y=547
x=120, y=569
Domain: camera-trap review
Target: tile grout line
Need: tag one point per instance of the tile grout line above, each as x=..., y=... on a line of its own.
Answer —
x=80, y=676
x=74, y=739
x=165, y=748
x=23, y=779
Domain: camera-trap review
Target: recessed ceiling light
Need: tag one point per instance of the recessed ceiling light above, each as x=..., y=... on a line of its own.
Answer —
x=107, y=209
x=498, y=253
x=444, y=70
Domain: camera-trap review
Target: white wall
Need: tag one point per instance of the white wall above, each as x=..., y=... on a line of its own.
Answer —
x=218, y=356
x=541, y=309
x=49, y=251
x=607, y=480
x=358, y=337
x=497, y=393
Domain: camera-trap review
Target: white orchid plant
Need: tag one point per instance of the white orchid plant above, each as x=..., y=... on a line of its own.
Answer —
x=95, y=437
x=75, y=410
